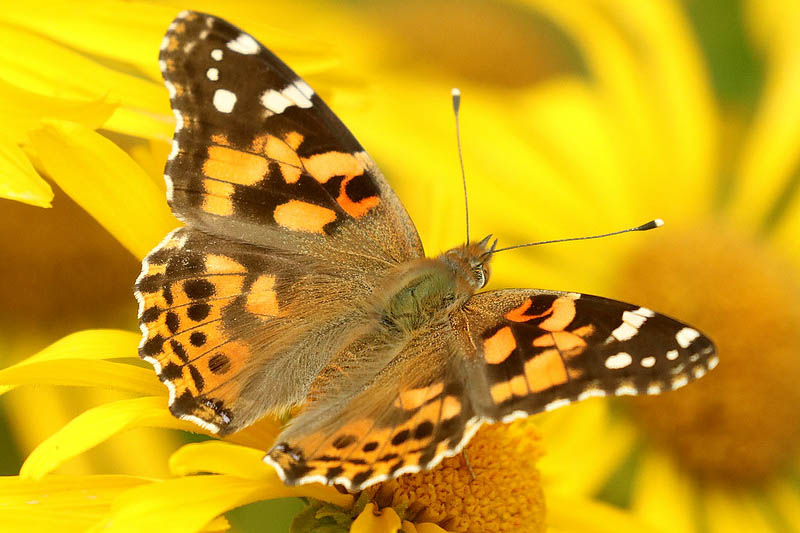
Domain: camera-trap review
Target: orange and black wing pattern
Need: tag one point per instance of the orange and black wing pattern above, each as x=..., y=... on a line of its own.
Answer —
x=539, y=350
x=257, y=155
x=283, y=210
x=406, y=418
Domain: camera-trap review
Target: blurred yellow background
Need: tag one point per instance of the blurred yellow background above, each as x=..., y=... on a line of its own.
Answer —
x=577, y=118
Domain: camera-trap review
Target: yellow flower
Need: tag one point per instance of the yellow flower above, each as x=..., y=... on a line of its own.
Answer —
x=549, y=150
x=723, y=454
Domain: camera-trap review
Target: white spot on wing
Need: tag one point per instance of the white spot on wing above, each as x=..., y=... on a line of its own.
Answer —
x=621, y=360
x=679, y=382
x=300, y=100
x=555, y=404
x=513, y=416
x=713, y=362
x=170, y=187
x=244, y=44
x=672, y=355
x=213, y=428
x=633, y=318
x=170, y=89
x=275, y=101
x=686, y=336
x=624, y=332
x=654, y=388
x=626, y=390
x=224, y=100
x=304, y=88
x=212, y=74
x=174, y=151
x=648, y=362
x=216, y=54
x=591, y=393
x=643, y=311
x=178, y=120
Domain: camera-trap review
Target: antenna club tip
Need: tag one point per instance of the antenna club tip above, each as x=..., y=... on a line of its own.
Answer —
x=455, y=91
x=658, y=222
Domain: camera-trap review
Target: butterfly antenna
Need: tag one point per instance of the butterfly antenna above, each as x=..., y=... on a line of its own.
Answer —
x=456, y=105
x=657, y=223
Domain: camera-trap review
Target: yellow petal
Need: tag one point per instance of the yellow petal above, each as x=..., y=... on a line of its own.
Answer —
x=663, y=496
x=241, y=461
x=99, y=28
x=786, y=499
x=259, y=435
x=21, y=110
x=97, y=425
x=770, y=22
x=187, y=504
x=729, y=510
x=656, y=98
x=386, y=521
x=151, y=157
x=586, y=516
x=89, y=344
x=679, y=86
x=85, y=373
x=19, y=180
x=771, y=151
x=106, y=182
x=220, y=458
x=59, y=503
x=62, y=72
x=220, y=523
x=569, y=465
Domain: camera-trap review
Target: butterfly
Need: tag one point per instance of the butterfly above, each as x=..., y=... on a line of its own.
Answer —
x=300, y=282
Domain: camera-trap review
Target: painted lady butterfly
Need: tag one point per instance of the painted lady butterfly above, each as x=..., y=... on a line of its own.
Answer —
x=300, y=280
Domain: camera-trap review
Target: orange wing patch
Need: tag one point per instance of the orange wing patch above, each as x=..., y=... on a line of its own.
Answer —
x=355, y=209
x=235, y=166
x=561, y=312
x=302, y=216
x=323, y=167
x=262, y=300
x=218, y=199
x=545, y=370
x=499, y=346
x=414, y=398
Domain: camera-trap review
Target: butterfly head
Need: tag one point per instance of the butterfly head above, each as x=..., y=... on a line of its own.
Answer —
x=472, y=261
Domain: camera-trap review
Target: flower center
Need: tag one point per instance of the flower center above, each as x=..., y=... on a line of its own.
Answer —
x=505, y=493
x=739, y=423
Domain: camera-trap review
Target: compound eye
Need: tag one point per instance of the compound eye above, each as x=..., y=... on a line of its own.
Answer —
x=480, y=277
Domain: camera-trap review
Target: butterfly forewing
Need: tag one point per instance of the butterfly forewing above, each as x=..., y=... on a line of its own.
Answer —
x=258, y=156
x=539, y=350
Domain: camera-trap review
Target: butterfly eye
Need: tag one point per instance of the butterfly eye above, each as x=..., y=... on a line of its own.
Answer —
x=480, y=276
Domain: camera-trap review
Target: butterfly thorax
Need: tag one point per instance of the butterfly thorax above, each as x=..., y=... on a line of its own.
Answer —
x=426, y=291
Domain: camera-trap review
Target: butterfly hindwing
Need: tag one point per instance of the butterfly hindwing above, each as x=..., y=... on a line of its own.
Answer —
x=539, y=350
x=258, y=155
x=225, y=323
x=408, y=417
